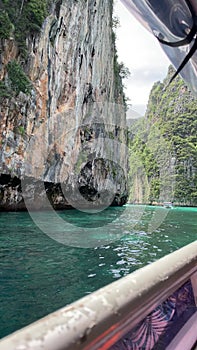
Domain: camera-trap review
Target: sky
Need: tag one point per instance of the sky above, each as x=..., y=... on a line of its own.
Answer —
x=142, y=54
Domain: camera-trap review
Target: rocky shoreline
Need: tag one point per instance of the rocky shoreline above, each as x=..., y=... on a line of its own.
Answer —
x=36, y=195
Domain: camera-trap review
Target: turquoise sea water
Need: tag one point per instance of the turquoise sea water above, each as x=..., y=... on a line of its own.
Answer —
x=38, y=274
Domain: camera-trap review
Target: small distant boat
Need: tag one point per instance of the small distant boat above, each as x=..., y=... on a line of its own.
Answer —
x=168, y=205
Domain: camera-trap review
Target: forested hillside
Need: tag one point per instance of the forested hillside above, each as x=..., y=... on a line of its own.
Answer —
x=163, y=147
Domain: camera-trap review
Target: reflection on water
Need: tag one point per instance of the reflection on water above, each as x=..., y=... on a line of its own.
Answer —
x=39, y=275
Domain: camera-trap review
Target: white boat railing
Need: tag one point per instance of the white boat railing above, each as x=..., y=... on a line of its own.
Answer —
x=104, y=317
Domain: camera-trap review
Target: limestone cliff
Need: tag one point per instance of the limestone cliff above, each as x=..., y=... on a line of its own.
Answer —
x=164, y=147
x=62, y=110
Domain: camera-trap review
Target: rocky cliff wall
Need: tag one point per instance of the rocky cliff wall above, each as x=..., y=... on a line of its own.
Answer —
x=62, y=111
x=163, y=157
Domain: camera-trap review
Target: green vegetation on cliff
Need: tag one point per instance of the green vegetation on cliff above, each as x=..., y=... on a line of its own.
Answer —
x=17, y=78
x=22, y=18
x=19, y=19
x=121, y=72
x=5, y=25
x=164, y=147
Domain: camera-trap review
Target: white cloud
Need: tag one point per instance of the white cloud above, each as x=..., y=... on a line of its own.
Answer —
x=142, y=54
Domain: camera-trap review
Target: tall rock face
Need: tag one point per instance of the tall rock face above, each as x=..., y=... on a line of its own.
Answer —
x=62, y=108
x=163, y=156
